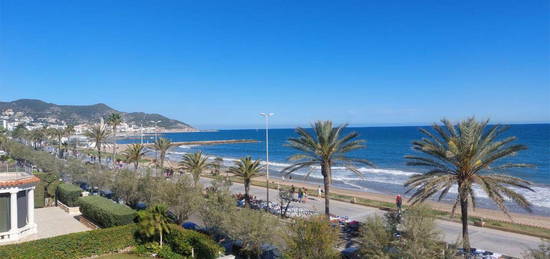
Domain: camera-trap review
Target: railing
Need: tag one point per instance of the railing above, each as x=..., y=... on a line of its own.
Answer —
x=7, y=171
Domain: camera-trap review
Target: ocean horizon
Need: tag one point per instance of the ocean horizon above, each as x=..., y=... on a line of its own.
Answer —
x=386, y=148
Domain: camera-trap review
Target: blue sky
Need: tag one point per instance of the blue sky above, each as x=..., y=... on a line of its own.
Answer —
x=217, y=64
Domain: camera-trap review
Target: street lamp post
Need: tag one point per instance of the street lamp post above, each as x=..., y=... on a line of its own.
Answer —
x=156, y=151
x=266, y=116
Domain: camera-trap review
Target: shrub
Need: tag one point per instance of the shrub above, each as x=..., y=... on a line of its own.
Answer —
x=167, y=253
x=181, y=241
x=312, y=238
x=68, y=194
x=147, y=249
x=105, y=212
x=75, y=245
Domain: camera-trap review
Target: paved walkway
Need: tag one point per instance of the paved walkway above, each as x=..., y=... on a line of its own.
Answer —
x=53, y=221
x=482, y=238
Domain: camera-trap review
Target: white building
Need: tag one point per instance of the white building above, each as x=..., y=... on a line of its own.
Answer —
x=17, y=205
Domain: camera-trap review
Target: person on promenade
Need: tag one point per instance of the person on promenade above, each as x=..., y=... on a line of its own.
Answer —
x=300, y=195
x=398, y=201
x=319, y=192
x=305, y=195
x=292, y=191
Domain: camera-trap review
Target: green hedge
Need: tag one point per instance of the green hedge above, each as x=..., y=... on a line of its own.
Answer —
x=105, y=212
x=39, y=192
x=181, y=239
x=68, y=194
x=75, y=245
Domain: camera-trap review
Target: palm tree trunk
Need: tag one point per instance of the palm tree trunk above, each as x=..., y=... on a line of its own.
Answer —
x=464, y=218
x=161, y=237
x=136, y=165
x=246, y=191
x=99, y=153
x=59, y=147
x=326, y=181
x=162, y=155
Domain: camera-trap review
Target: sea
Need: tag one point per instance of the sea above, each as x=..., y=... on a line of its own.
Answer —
x=386, y=148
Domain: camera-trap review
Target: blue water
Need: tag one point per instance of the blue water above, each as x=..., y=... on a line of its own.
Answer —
x=386, y=147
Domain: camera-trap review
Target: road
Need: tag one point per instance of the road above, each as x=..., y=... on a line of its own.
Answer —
x=482, y=238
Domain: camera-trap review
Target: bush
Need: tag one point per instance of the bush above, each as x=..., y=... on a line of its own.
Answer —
x=105, y=212
x=75, y=245
x=181, y=241
x=312, y=238
x=167, y=253
x=68, y=194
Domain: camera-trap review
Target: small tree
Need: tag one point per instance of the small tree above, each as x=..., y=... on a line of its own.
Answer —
x=126, y=187
x=154, y=221
x=181, y=197
x=285, y=198
x=255, y=228
x=419, y=237
x=218, y=207
x=312, y=238
x=375, y=239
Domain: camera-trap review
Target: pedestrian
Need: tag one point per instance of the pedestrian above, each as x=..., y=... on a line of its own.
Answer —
x=319, y=192
x=398, y=201
x=305, y=195
x=300, y=195
x=292, y=191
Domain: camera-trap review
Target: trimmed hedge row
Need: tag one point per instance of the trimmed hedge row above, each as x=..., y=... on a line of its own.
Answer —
x=68, y=194
x=75, y=245
x=181, y=240
x=105, y=212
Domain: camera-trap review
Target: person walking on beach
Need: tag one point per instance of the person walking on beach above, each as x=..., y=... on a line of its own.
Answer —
x=398, y=201
x=319, y=192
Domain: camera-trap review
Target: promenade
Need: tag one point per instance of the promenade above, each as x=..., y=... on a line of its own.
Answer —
x=482, y=238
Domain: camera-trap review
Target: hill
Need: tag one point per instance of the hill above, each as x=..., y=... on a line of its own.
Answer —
x=76, y=114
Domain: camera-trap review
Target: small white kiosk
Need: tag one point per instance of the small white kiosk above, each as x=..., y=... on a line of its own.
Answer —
x=17, y=205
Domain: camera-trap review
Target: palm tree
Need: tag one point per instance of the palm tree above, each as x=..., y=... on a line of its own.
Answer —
x=162, y=145
x=195, y=163
x=114, y=120
x=327, y=149
x=58, y=134
x=247, y=169
x=69, y=131
x=99, y=134
x=463, y=155
x=154, y=221
x=37, y=136
x=134, y=153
